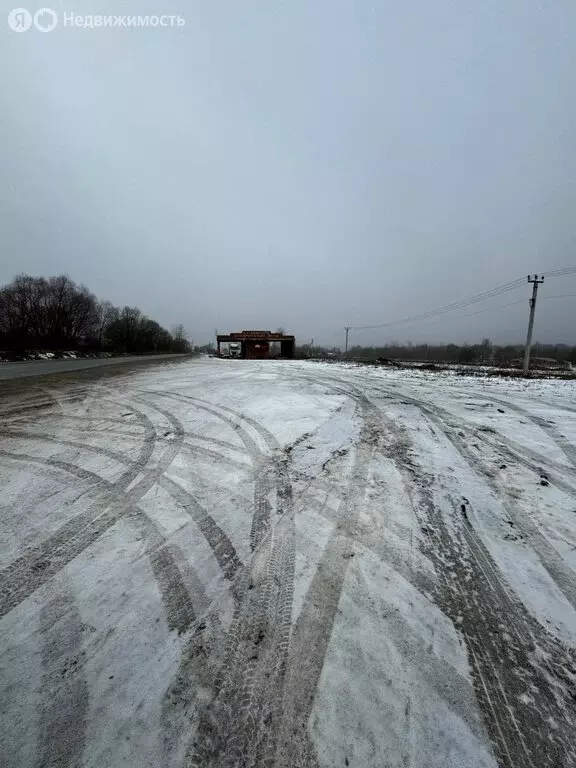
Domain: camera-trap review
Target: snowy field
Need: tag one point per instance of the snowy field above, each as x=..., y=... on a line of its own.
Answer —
x=290, y=565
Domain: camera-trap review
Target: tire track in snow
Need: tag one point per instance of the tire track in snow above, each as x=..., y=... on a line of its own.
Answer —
x=206, y=453
x=180, y=611
x=532, y=460
x=240, y=724
x=92, y=524
x=382, y=549
x=181, y=605
x=313, y=629
x=263, y=486
x=515, y=663
x=33, y=402
x=559, y=571
x=144, y=456
x=65, y=466
x=261, y=519
x=44, y=438
x=516, y=666
x=364, y=534
x=60, y=397
x=41, y=562
x=511, y=654
x=180, y=602
x=195, y=450
x=567, y=448
x=515, y=449
x=221, y=546
x=63, y=706
x=523, y=677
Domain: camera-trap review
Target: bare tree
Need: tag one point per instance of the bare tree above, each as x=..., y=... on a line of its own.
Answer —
x=107, y=314
x=179, y=333
x=180, y=341
x=56, y=313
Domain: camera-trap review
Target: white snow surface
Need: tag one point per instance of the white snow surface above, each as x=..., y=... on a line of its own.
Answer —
x=127, y=626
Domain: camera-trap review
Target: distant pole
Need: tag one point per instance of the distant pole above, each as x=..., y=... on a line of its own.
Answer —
x=535, y=280
x=347, y=329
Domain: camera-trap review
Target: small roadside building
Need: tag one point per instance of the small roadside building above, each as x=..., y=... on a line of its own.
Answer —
x=255, y=345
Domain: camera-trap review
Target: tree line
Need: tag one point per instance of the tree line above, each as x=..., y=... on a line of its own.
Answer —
x=484, y=353
x=56, y=314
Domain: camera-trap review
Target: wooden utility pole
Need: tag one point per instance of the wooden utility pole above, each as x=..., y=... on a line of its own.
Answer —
x=535, y=280
x=347, y=329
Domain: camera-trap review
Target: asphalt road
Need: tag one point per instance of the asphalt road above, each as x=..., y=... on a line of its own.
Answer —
x=45, y=367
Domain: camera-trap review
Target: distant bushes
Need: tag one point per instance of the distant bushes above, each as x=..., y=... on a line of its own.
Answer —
x=485, y=353
x=54, y=313
x=465, y=354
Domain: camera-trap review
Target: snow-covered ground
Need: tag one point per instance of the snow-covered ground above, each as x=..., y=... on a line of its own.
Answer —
x=288, y=564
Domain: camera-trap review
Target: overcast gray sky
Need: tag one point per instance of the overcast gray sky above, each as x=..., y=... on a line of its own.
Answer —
x=298, y=163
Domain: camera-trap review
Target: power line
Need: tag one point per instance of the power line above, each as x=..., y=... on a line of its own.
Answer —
x=463, y=303
x=500, y=306
x=513, y=285
x=504, y=306
x=560, y=272
x=480, y=311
